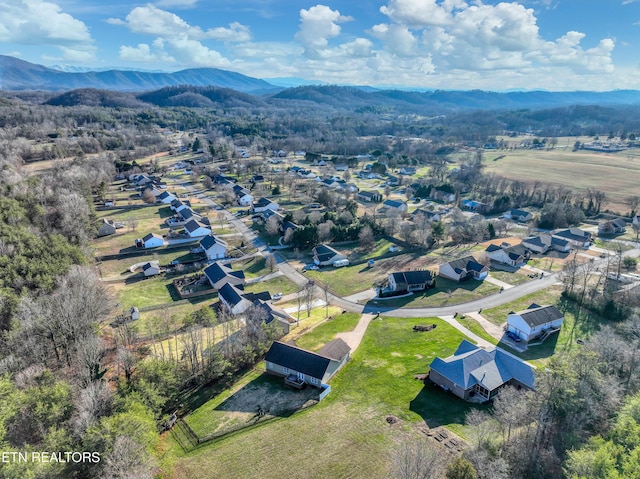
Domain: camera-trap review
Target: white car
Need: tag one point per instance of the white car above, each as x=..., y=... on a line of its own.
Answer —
x=276, y=297
x=311, y=267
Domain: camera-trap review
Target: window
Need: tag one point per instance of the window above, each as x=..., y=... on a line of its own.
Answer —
x=285, y=370
x=314, y=380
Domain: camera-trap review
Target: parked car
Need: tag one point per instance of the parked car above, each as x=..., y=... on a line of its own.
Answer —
x=310, y=267
x=513, y=336
x=276, y=297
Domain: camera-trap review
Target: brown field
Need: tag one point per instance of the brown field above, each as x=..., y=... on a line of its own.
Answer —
x=614, y=173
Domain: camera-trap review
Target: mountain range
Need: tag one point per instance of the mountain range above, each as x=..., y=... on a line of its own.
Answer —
x=211, y=87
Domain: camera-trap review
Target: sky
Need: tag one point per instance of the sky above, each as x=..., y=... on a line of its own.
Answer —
x=557, y=45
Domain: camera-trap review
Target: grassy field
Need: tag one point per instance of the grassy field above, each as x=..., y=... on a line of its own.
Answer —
x=613, y=173
x=345, y=435
x=280, y=284
x=146, y=292
x=514, y=278
x=327, y=331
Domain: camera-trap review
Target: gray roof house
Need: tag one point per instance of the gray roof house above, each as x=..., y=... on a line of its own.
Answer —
x=407, y=281
x=544, y=242
x=575, y=236
x=299, y=366
x=219, y=275
x=535, y=321
x=473, y=373
x=325, y=255
x=612, y=227
x=515, y=256
x=518, y=215
x=196, y=229
x=214, y=248
x=233, y=299
x=400, y=206
x=463, y=269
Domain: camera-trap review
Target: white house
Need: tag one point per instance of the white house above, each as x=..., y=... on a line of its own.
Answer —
x=214, y=248
x=220, y=274
x=152, y=240
x=534, y=321
x=151, y=268
x=515, y=256
x=264, y=204
x=544, y=242
x=243, y=195
x=575, y=236
x=165, y=197
x=195, y=229
x=393, y=205
x=518, y=215
x=233, y=299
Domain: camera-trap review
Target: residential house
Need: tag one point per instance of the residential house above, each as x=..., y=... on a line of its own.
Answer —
x=188, y=214
x=477, y=374
x=394, y=205
x=264, y=204
x=408, y=170
x=409, y=281
x=576, y=237
x=441, y=195
x=534, y=321
x=233, y=299
x=518, y=215
x=325, y=255
x=257, y=179
x=613, y=227
x=544, y=242
x=516, y=255
x=107, y=227
x=273, y=313
x=152, y=240
x=151, y=268
x=393, y=180
x=370, y=196
x=431, y=216
x=213, y=247
x=220, y=274
x=195, y=229
x=463, y=269
x=165, y=197
x=243, y=195
x=473, y=205
x=299, y=366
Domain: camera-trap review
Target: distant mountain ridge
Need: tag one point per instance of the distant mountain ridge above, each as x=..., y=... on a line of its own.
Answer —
x=16, y=74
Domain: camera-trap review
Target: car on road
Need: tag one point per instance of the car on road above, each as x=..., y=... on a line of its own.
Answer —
x=276, y=297
x=310, y=267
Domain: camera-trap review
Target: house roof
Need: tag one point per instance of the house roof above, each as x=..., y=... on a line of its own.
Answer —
x=230, y=294
x=426, y=213
x=187, y=213
x=149, y=265
x=490, y=368
x=150, y=236
x=514, y=252
x=468, y=263
x=369, y=194
x=297, y=359
x=336, y=349
x=210, y=241
x=516, y=212
x=262, y=202
x=575, y=234
x=544, y=240
x=217, y=271
x=536, y=315
x=413, y=277
x=193, y=225
x=324, y=252
x=393, y=203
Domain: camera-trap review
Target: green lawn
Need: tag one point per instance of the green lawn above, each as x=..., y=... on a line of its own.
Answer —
x=327, y=331
x=514, y=278
x=119, y=268
x=280, y=284
x=146, y=292
x=345, y=435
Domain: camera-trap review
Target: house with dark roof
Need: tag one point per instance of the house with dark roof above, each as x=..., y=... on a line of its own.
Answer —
x=165, y=197
x=408, y=281
x=299, y=366
x=463, y=269
x=476, y=374
x=534, y=321
x=107, y=227
x=544, y=242
x=395, y=205
x=370, y=196
x=233, y=299
x=516, y=255
x=151, y=268
x=188, y=214
x=408, y=170
x=152, y=240
x=521, y=216
x=473, y=205
x=220, y=274
x=431, y=216
x=264, y=204
x=213, y=247
x=325, y=255
x=393, y=180
x=612, y=227
x=441, y=195
x=576, y=237
x=243, y=195
x=196, y=229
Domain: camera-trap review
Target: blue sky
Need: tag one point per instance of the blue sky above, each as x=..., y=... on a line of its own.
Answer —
x=453, y=44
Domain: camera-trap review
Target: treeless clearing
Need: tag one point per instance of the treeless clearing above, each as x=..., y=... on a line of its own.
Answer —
x=613, y=173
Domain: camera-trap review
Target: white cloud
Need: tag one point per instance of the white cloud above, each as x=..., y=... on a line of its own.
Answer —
x=317, y=25
x=176, y=3
x=143, y=53
x=37, y=22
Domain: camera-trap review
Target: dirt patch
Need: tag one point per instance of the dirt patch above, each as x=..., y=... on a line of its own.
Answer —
x=392, y=420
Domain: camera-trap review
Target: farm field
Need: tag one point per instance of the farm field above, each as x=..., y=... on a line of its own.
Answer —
x=613, y=173
x=345, y=435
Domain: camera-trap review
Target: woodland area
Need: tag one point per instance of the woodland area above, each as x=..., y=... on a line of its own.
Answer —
x=583, y=421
